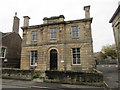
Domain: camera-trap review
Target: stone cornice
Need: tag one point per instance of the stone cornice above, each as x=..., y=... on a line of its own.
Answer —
x=58, y=23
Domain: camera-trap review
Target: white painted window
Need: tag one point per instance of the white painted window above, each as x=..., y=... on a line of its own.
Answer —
x=75, y=32
x=3, y=52
x=33, y=58
x=53, y=33
x=34, y=35
x=76, y=56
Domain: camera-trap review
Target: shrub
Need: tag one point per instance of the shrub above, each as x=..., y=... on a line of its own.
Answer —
x=36, y=75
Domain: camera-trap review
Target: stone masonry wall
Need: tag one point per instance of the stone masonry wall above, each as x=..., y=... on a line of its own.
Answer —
x=63, y=44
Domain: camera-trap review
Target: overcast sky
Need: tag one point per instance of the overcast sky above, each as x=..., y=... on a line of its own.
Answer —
x=101, y=11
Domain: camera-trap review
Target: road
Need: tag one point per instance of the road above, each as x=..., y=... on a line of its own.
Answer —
x=110, y=73
x=30, y=85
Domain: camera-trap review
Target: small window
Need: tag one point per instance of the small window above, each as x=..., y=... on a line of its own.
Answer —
x=53, y=33
x=76, y=55
x=33, y=58
x=3, y=52
x=75, y=32
x=34, y=35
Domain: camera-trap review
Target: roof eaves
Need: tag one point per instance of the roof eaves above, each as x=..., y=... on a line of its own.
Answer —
x=80, y=20
x=114, y=15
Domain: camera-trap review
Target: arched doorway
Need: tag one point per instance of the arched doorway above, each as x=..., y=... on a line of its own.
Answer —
x=53, y=59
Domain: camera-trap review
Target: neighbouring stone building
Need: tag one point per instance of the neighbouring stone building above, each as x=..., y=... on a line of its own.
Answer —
x=115, y=20
x=57, y=44
x=10, y=53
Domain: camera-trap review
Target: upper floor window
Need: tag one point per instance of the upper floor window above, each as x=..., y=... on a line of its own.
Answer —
x=76, y=56
x=34, y=35
x=53, y=33
x=75, y=32
x=33, y=58
x=3, y=52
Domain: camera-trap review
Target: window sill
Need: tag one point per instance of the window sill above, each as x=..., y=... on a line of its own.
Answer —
x=76, y=64
x=75, y=37
x=34, y=40
x=33, y=65
x=2, y=57
x=53, y=39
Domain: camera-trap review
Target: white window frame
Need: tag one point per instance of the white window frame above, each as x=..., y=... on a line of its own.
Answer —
x=76, y=53
x=35, y=59
x=2, y=53
x=53, y=33
x=75, y=34
x=34, y=35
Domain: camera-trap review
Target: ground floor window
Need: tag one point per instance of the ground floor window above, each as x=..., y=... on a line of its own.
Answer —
x=33, y=58
x=76, y=56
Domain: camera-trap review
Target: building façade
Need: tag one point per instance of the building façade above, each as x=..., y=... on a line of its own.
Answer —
x=10, y=49
x=57, y=44
x=115, y=20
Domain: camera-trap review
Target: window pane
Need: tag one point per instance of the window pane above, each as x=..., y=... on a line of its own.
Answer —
x=78, y=50
x=75, y=31
x=34, y=35
x=53, y=33
x=74, y=55
x=3, y=51
x=74, y=61
x=78, y=55
x=73, y=50
x=32, y=62
x=77, y=34
x=78, y=60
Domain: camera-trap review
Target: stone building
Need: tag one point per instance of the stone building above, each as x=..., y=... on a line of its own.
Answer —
x=57, y=44
x=11, y=46
x=115, y=20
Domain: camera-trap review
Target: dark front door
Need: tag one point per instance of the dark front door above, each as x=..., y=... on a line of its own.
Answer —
x=53, y=59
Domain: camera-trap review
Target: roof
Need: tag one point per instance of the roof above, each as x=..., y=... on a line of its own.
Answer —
x=57, y=23
x=5, y=34
x=114, y=15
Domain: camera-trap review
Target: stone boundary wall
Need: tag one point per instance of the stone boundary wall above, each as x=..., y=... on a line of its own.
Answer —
x=13, y=73
x=71, y=77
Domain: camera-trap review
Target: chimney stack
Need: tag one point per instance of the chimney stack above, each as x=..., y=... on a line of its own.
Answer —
x=87, y=11
x=16, y=23
x=26, y=21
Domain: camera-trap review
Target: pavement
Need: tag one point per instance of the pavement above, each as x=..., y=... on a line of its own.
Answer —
x=9, y=83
